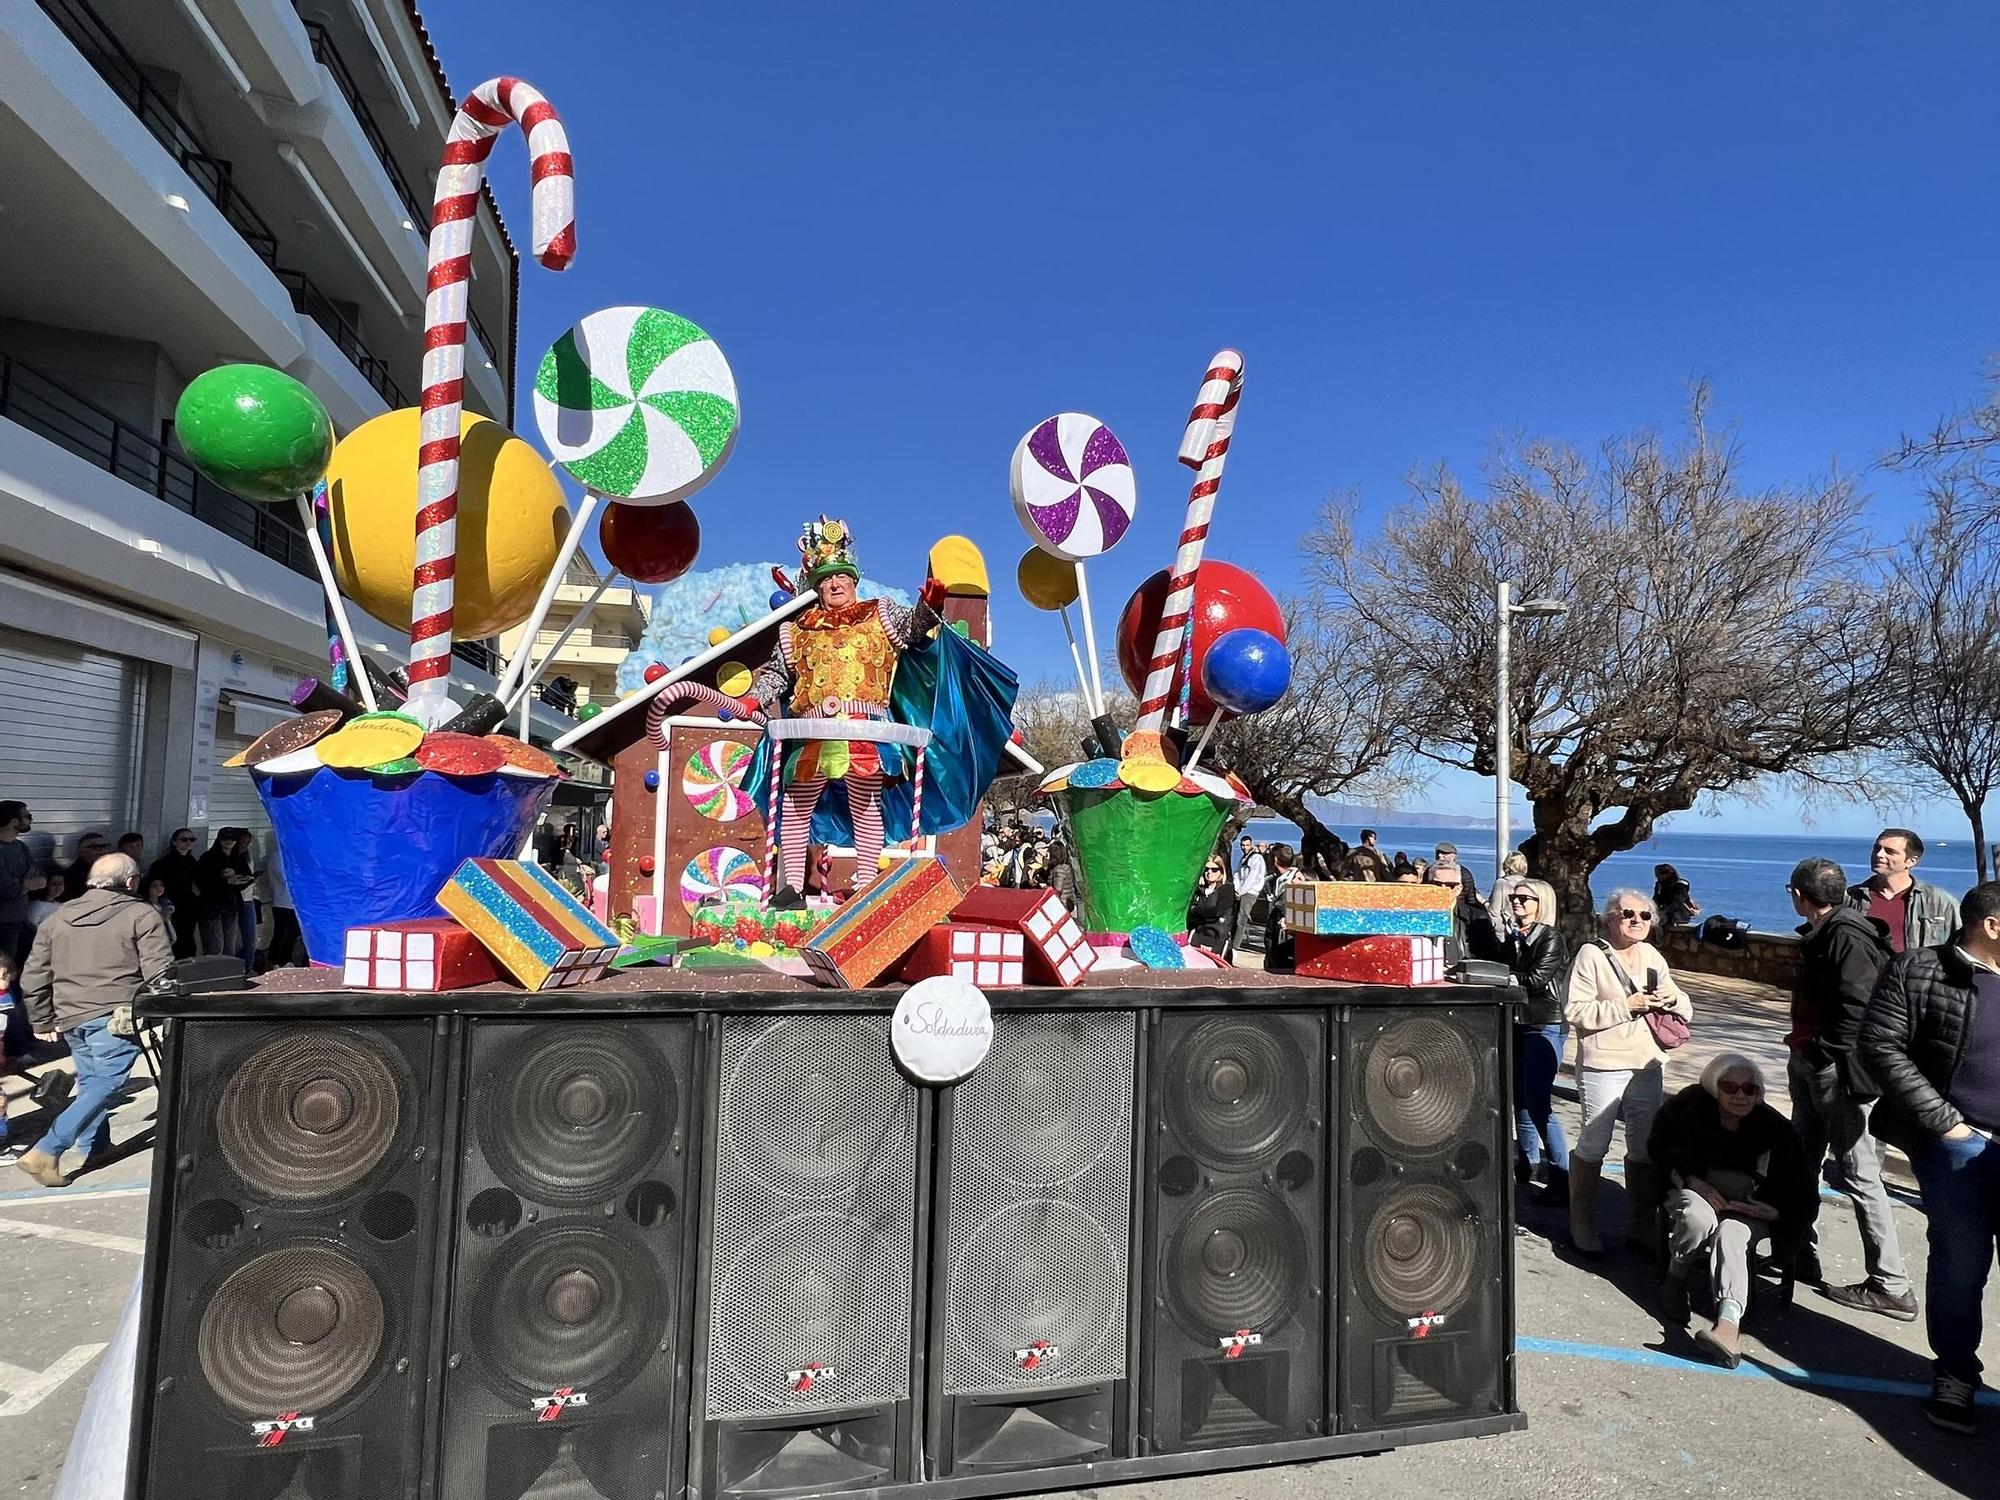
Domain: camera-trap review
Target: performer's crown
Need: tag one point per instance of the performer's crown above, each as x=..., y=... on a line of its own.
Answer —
x=826, y=547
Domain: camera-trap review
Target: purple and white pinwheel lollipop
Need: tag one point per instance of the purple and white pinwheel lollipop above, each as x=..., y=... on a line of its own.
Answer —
x=1073, y=486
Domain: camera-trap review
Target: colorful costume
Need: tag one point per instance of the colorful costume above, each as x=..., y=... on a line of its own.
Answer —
x=931, y=695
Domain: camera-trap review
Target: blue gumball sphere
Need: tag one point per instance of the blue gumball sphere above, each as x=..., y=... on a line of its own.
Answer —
x=779, y=598
x=1246, y=670
x=652, y=781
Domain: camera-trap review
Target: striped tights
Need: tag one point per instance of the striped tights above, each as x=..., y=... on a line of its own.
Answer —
x=864, y=803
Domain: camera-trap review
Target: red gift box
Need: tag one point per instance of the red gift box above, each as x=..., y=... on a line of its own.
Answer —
x=1379, y=959
x=1057, y=952
x=426, y=954
x=986, y=956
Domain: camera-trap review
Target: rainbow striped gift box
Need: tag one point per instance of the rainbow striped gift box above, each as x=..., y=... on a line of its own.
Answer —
x=1366, y=908
x=881, y=923
x=539, y=932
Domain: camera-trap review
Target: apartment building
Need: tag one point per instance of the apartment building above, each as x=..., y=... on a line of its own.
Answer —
x=191, y=182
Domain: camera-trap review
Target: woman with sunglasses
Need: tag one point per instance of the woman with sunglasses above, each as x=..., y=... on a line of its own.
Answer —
x=1212, y=912
x=1735, y=1171
x=1539, y=957
x=1620, y=1069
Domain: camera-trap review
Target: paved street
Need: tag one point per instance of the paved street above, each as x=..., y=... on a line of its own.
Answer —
x=1822, y=1407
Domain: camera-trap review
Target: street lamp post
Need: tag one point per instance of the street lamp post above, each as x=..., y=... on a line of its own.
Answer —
x=1503, y=744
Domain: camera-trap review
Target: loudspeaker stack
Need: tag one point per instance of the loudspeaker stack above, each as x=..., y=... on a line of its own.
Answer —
x=702, y=1250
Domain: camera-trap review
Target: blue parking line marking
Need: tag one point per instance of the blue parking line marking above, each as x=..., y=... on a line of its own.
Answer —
x=1750, y=1369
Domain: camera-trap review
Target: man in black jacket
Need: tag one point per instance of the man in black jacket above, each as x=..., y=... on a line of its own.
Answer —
x=1841, y=954
x=1931, y=1038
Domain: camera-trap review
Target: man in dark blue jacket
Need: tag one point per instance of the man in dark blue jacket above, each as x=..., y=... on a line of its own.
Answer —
x=1931, y=1038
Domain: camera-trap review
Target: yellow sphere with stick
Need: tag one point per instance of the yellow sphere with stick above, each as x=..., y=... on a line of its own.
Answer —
x=1046, y=582
x=512, y=518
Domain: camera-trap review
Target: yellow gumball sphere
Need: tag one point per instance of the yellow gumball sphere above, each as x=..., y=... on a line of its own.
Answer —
x=718, y=634
x=512, y=518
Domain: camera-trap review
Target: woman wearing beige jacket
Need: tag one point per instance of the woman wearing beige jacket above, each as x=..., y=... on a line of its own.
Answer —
x=1620, y=1068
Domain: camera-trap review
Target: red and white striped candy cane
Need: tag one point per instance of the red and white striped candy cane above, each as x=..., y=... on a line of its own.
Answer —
x=718, y=703
x=485, y=113
x=917, y=801
x=1204, y=446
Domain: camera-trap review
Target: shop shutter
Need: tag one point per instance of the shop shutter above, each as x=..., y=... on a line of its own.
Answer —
x=70, y=746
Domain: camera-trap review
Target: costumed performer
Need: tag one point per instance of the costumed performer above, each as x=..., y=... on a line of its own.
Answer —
x=926, y=691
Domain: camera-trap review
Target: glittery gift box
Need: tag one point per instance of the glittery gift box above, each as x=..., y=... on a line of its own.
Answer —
x=1364, y=908
x=427, y=954
x=985, y=956
x=881, y=923
x=1372, y=960
x=1057, y=952
x=539, y=932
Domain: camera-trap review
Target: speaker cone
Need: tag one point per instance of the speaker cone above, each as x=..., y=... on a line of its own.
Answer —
x=1238, y=1262
x=1421, y=1250
x=296, y=1330
x=569, y=1303
x=808, y=1108
x=571, y=1114
x=814, y=1289
x=1038, y=1120
x=1238, y=1087
x=1037, y=1272
x=1420, y=1082
x=310, y=1113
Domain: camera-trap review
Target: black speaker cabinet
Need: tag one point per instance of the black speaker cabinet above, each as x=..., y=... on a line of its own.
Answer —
x=291, y=1276
x=808, y=1331
x=1031, y=1310
x=1236, y=1229
x=571, y=1256
x=1423, y=1306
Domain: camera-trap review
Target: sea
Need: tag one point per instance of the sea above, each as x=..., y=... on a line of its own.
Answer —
x=1738, y=875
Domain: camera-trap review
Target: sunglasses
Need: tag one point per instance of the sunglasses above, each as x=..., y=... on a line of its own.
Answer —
x=1522, y=901
x=1631, y=916
x=1726, y=1087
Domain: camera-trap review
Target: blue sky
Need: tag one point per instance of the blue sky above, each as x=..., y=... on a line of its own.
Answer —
x=918, y=229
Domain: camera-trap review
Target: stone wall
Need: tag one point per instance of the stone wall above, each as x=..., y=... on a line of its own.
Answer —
x=1766, y=957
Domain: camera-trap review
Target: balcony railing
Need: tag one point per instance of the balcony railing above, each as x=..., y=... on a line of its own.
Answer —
x=211, y=176
x=414, y=204
x=46, y=406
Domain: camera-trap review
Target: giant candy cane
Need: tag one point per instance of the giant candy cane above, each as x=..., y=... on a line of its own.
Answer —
x=485, y=113
x=1204, y=446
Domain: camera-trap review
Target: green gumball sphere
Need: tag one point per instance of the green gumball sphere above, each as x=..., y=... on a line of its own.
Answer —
x=255, y=431
x=590, y=710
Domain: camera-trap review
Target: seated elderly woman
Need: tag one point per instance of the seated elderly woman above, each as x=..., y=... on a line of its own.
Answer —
x=1735, y=1171
x=1616, y=986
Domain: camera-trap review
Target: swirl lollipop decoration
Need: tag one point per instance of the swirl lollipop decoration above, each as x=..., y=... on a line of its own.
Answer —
x=1075, y=495
x=712, y=780
x=720, y=873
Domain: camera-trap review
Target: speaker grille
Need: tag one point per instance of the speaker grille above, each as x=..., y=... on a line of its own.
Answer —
x=1239, y=1261
x=567, y=1115
x=1420, y=1082
x=814, y=1217
x=296, y=1329
x=1235, y=1090
x=1420, y=1251
x=570, y=1303
x=1038, y=1244
x=310, y=1113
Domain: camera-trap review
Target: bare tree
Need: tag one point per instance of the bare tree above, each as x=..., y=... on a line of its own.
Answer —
x=1943, y=631
x=1715, y=635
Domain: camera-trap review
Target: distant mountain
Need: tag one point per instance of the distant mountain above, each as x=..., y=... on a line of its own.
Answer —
x=1340, y=815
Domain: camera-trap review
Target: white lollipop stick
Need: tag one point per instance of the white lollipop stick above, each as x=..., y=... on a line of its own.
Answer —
x=528, y=679
x=1202, y=743
x=1089, y=640
x=1082, y=677
x=362, y=687
x=577, y=526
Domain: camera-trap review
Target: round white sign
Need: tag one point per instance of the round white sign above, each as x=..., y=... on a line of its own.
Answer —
x=942, y=1029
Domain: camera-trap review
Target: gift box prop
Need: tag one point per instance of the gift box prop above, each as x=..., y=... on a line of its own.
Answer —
x=538, y=931
x=879, y=926
x=363, y=848
x=987, y=956
x=1375, y=959
x=1057, y=951
x=430, y=955
x=1363, y=908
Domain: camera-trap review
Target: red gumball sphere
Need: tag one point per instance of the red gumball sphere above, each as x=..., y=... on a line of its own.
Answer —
x=654, y=672
x=650, y=543
x=645, y=864
x=1225, y=598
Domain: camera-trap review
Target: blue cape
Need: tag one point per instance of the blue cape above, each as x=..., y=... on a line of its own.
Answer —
x=965, y=697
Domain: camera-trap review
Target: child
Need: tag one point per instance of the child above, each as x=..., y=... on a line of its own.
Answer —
x=157, y=898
